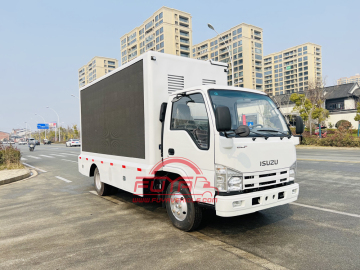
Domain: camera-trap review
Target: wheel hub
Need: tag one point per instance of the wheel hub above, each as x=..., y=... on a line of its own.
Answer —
x=178, y=206
x=97, y=180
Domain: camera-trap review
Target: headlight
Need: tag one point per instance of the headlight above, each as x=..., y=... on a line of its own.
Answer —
x=227, y=180
x=292, y=172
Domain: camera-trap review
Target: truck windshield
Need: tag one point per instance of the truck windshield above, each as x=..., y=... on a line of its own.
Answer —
x=254, y=110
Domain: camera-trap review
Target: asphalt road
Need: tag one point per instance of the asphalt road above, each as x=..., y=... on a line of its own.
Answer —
x=54, y=221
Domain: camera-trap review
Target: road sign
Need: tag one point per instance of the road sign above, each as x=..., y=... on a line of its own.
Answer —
x=42, y=126
x=52, y=125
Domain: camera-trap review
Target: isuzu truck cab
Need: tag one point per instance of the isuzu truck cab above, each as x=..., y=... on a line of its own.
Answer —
x=169, y=128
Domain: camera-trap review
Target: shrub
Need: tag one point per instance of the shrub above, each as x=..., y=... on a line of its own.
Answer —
x=341, y=137
x=9, y=156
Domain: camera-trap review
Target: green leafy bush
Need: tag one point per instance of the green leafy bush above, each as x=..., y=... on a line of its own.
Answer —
x=341, y=137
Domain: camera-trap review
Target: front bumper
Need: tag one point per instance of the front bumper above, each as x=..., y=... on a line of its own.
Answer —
x=255, y=201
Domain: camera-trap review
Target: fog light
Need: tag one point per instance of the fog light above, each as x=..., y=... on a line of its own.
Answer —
x=294, y=191
x=237, y=203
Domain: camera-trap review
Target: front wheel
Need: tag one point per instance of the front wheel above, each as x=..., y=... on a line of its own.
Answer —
x=101, y=188
x=183, y=212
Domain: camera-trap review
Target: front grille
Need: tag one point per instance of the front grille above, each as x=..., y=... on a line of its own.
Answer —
x=265, y=180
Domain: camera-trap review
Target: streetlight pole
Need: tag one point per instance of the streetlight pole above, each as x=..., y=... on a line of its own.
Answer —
x=44, y=123
x=57, y=122
x=230, y=54
x=25, y=131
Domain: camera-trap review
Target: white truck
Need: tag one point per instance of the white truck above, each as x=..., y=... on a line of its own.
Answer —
x=169, y=128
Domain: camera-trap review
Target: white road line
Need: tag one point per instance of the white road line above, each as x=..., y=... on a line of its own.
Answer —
x=46, y=156
x=23, y=158
x=326, y=210
x=61, y=178
x=69, y=154
x=328, y=160
x=70, y=160
x=34, y=157
x=57, y=155
x=34, y=167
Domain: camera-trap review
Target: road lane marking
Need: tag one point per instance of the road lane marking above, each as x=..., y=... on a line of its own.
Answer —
x=61, y=178
x=34, y=157
x=70, y=160
x=23, y=158
x=34, y=167
x=57, y=155
x=326, y=210
x=46, y=156
x=69, y=154
x=216, y=243
x=327, y=160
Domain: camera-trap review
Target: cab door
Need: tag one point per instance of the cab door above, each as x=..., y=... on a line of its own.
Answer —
x=189, y=143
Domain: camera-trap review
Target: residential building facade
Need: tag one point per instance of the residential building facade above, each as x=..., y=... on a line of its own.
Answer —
x=245, y=43
x=168, y=30
x=352, y=79
x=4, y=136
x=96, y=68
x=340, y=101
x=293, y=69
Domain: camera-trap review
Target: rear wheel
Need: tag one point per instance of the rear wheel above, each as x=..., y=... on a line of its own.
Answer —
x=184, y=213
x=101, y=188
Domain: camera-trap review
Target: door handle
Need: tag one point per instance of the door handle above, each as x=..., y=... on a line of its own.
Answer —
x=171, y=151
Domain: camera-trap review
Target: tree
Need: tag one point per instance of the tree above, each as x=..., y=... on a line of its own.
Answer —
x=357, y=116
x=311, y=104
x=303, y=106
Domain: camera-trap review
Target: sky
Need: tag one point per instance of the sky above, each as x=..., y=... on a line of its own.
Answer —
x=44, y=43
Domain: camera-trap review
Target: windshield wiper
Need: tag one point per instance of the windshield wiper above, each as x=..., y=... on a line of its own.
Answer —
x=274, y=130
x=261, y=135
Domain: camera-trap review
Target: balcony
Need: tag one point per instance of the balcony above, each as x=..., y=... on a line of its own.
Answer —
x=185, y=34
x=183, y=48
x=184, y=20
x=186, y=41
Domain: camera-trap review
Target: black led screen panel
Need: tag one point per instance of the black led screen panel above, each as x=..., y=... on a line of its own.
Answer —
x=112, y=114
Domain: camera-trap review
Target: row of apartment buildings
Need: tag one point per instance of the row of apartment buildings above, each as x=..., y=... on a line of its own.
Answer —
x=170, y=31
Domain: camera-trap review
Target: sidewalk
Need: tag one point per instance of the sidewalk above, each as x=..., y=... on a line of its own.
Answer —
x=9, y=176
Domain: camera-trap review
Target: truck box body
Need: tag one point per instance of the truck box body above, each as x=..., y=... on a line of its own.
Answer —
x=120, y=113
x=230, y=147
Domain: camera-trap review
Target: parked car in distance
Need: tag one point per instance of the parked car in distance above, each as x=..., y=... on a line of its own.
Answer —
x=73, y=142
x=8, y=142
x=22, y=143
x=37, y=142
x=46, y=141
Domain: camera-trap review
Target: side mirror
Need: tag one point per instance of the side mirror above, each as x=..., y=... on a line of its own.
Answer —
x=162, y=112
x=299, y=125
x=243, y=131
x=223, y=118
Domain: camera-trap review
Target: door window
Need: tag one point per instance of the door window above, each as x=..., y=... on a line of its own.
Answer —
x=189, y=114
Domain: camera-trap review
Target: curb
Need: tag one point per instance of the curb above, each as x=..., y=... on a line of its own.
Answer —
x=28, y=175
x=327, y=147
x=16, y=178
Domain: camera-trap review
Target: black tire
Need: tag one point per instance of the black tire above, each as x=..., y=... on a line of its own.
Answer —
x=193, y=215
x=101, y=188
